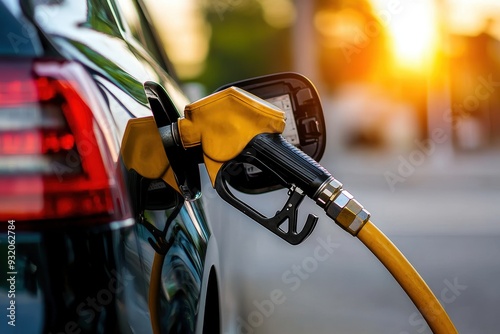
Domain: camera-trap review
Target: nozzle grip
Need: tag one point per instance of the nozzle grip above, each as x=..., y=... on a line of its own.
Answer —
x=288, y=214
x=288, y=162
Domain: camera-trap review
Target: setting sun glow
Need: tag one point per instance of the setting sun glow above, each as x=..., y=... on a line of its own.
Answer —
x=412, y=31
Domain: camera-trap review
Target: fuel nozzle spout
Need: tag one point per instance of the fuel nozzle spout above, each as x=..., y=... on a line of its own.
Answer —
x=169, y=135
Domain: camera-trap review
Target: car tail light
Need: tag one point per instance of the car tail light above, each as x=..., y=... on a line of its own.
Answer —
x=54, y=161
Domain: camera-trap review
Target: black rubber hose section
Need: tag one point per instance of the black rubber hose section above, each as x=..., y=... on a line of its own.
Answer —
x=286, y=160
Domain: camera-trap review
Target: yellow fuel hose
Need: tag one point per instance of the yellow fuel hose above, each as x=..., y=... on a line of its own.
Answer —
x=154, y=292
x=409, y=279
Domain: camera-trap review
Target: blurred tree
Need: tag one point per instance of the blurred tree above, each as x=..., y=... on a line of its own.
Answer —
x=352, y=42
x=242, y=45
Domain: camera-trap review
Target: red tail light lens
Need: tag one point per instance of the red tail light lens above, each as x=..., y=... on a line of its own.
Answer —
x=53, y=159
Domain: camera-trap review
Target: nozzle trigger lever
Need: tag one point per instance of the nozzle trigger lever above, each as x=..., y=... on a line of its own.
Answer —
x=289, y=212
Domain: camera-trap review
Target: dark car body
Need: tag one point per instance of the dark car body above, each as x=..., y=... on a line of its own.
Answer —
x=84, y=273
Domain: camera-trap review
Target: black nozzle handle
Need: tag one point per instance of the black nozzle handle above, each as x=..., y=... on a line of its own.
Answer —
x=294, y=167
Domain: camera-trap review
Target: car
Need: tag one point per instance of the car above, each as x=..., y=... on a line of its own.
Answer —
x=80, y=232
x=91, y=245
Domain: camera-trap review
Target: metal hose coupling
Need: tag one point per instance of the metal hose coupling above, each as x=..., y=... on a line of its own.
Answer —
x=341, y=206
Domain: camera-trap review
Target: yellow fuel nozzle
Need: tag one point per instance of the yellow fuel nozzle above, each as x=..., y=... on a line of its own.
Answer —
x=222, y=123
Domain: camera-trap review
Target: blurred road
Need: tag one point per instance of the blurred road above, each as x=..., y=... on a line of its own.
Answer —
x=444, y=217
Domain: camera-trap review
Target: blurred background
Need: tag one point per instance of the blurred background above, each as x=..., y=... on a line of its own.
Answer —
x=412, y=66
x=411, y=96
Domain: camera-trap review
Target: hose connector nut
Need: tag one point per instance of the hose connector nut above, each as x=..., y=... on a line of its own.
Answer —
x=331, y=190
x=347, y=212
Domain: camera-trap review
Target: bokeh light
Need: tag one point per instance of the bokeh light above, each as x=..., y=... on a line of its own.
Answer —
x=413, y=33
